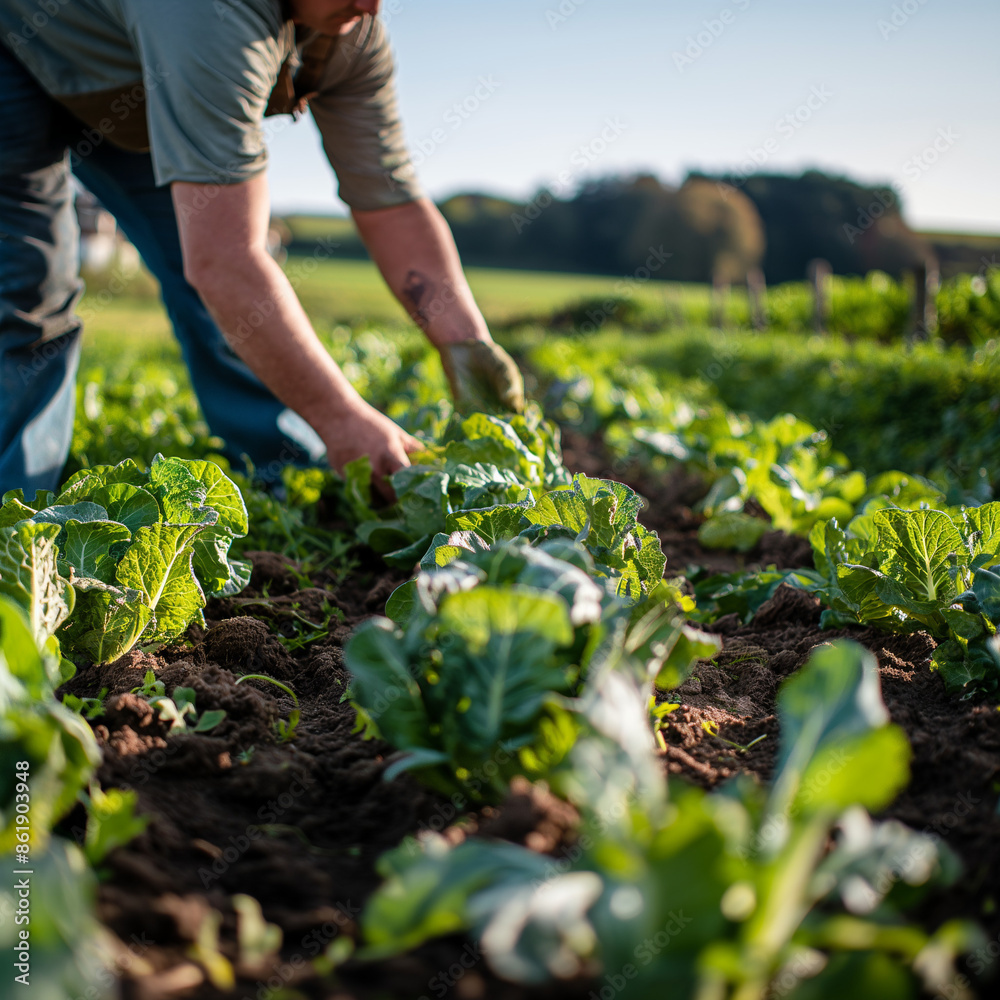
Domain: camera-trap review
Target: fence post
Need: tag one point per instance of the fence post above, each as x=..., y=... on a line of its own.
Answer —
x=757, y=297
x=820, y=273
x=720, y=295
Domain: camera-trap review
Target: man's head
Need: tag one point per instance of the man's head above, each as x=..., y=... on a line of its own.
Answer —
x=331, y=17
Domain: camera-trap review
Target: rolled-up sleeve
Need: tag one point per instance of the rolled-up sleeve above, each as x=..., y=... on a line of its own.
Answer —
x=357, y=113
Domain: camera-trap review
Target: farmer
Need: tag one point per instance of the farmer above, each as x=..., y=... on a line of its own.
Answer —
x=157, y=106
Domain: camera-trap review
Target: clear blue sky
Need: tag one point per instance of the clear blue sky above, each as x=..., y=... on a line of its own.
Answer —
x=882, y=95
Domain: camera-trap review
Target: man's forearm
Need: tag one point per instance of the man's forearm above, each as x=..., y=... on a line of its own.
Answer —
x=223, y=231
x=257, y=309
x=415, y=251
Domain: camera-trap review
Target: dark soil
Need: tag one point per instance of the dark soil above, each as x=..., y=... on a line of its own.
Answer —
x=300, y=825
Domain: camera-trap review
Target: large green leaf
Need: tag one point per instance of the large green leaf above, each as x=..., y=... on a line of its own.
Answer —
x=986, y=591
x=13, y=511
x=603, y=515
x=180, y=493
x=92, y=548
x=61, y=513
x=106, y=623
x=487, y=613
x=866, y=770
x=158, y=564
x=26, y=671
x=983, y=524
x=428, y=887
x=963, y=662
x=129, y=505
x=732, y=530
x=358, y=488
x=384, y=683
x=56, y=744
x=490, y=440
x=857, y=594
x=384, y=536
x=567, y=507
x=29, y=575
x=492, y=524
x=43, y=499
x=499, y=667
x=70, y=956
x=82, y=484
x=220, y=492
x=218, y=575
x=825, y=710
x=915, y=547
x=423, y=499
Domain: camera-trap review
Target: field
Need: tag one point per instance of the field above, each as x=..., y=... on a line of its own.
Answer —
x=522, y=734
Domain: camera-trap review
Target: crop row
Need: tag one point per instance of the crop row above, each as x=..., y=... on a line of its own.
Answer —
x=530, y=641
x=539, y=641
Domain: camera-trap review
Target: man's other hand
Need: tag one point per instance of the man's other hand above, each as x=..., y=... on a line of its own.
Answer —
x=483, y=376
x=365, y=431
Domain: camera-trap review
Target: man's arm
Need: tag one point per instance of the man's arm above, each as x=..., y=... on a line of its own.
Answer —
x=358, y=116
x=415, y=251
x=223, y=232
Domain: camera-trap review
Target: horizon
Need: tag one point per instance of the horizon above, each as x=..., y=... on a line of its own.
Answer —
x=900, y=92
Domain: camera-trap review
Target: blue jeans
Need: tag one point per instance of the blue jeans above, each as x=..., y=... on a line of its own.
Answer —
x=40, y=286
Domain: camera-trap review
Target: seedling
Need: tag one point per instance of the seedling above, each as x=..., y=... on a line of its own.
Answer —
x=301, y=637
x=150, y=687
x=284, y=730
x=712, y=728
x=89, y=708
x=180, y=712
x=658, y=716
x=111, y=821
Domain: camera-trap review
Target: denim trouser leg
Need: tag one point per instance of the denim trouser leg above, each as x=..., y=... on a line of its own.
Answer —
x=39, y=286
x=238, y=407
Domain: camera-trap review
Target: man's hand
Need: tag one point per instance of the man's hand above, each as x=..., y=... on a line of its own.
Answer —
x=415, y=251
x=365, y=431
x=483, y=376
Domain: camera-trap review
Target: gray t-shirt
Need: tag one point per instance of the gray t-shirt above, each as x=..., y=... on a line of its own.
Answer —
x=196, y=76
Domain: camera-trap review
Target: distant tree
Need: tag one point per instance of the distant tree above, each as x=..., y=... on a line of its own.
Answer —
x=616, y=226
x=856, y=227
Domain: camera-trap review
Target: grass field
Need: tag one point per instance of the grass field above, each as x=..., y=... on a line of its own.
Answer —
x=349, y=291
x=928, y=408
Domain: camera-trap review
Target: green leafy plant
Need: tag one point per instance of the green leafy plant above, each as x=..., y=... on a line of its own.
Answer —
x=742, y=594
x=472, y=675
x=69, y=950
x=482, y=461
x=89, y=708
x=483, y=651
x=179, y=710
x=111, y=821
x=921, y=570
x=150, y=687
x=731, y=886
x=47, y=752
x=47, y=755
x=600, y=514
x=122, y=554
